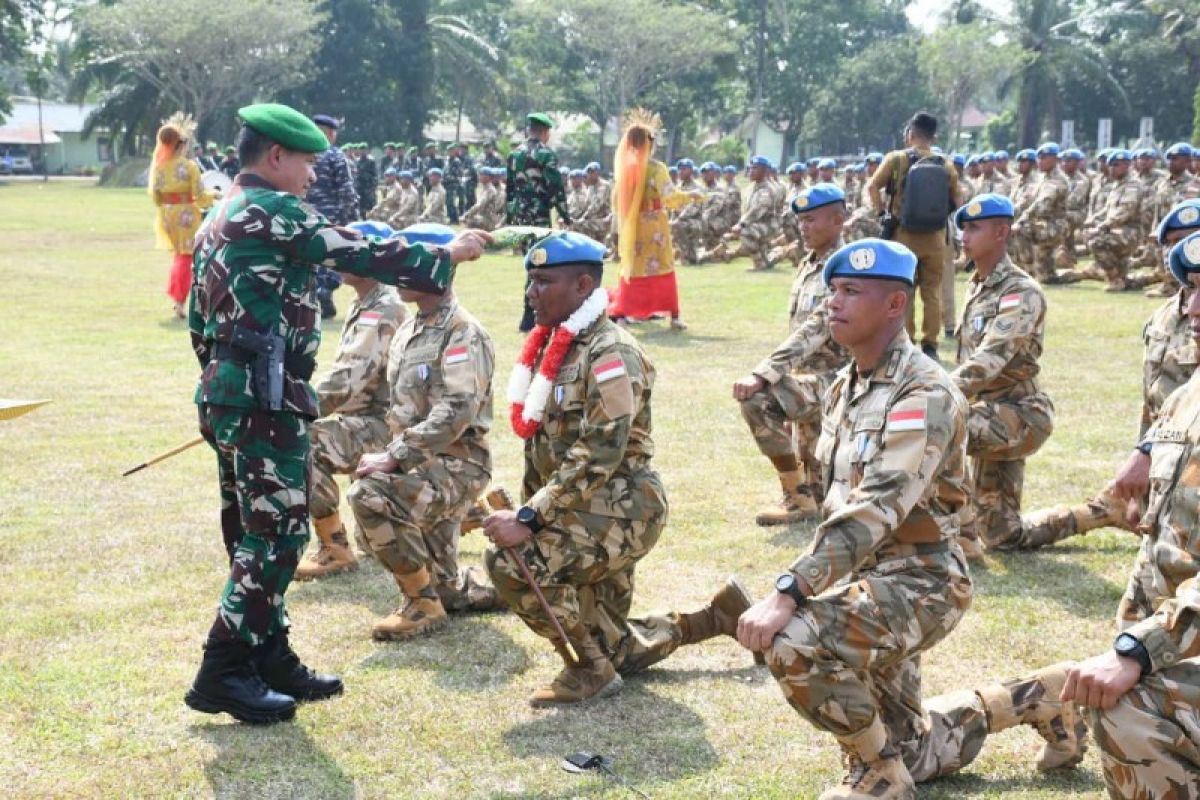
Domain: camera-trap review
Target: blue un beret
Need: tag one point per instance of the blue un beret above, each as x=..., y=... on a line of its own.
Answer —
x=1183, y=215
x=874, y=158
x=578, y=173
x=1073, y=154
x=987, y=158
x=685, y=162
x=827, y=163
x=372, y=229
x=796, y=166
x=709, y=166
x=1001, y=155
x=1118, y=154
x=984, y=206
x=814, y=197
x=1185, y=258
x=404, y=173
x=730, y=168
x=960, y=159
x=813, y=163
x=972, y=161
x=1025, y=155
x=434, y=171
x=1049, y=149
x=760, y=161
x=564, y=248
x=427, y=233
x=872, y=258
x=389, y=171
x=1146, y=152
x=1179, y=149
x=592, y=165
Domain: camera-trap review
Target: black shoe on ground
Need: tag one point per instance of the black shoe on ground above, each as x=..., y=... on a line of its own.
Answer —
x=280, y=667
x=228, y=682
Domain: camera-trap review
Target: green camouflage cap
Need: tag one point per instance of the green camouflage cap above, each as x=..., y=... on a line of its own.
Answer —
x=285, y=125
x=538, y=118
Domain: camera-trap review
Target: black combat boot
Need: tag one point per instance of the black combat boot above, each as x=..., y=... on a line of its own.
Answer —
x=228, y=682
x=280, y=667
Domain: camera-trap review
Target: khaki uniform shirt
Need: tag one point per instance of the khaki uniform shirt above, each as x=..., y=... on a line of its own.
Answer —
x=357, y=384
x=435, y=206
x=408, y=207
x=1170, y=358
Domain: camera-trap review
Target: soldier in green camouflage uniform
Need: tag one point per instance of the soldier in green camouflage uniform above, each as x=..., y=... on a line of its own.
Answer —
x=254, y=315
x=781, y=399
x=758, y=222
x=411, y=498
x=594, y=505
x=884, y=579
x=1112, y=231
x=1000, y=338
x=352, y=400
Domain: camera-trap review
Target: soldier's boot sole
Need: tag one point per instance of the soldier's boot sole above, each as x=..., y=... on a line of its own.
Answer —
x=198, y=701
x=544, y=698
x=770, y=519
x=422, y=628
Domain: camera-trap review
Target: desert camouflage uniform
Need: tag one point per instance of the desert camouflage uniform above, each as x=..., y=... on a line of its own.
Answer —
x=408, y=207
x=1021, y=192
x=589, y=478
x=758, y=225
x=863, y=223
x=440, y=371
x=1150, y=741
x=1169, y=360
x=483, y=214
x=243, y=280
x=385, y=208
x=1113, y=230
x=577, y=199
x=1169, y=191
x=1000, y=338
x=1079, y=196
x=687, y=226
x=993, y=184
x=785, y=417
x=1043, y=224
x=713, y=217
x=435, y=206
x=788, y=243
x=353, y=397
x=888, y=577
x=596, y=219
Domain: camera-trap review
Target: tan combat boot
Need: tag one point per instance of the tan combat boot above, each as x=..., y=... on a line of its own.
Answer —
x=874, y=770
x=592, y=676
x=1034, y=701
x=474, y=519
x=1093, y=273
x=421, y=613
x=971, y=549
x=334, y=553
x=719, y=617
x=1051, y=525
x=797, y=503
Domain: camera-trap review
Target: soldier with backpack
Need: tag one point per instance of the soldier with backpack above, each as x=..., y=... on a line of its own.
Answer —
x=922, y=190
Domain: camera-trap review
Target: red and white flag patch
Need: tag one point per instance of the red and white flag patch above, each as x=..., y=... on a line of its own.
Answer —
x=370, y=318
x=456, y=355
x=909, y=419
x=1010, y=301
x=613, y=368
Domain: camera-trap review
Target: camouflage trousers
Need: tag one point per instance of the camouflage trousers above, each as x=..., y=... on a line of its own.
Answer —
x=785, y=418
x=853, y=654
x=585, y=565
x=1064, y=257
x=1150, y=740
x=755, y=241
x=263, y=464
x=337, y=444
x=1000, y=436
x=411, y=520
x=863, y=224
x=401, y=222
x=597, y=229
x=472, y=218
x=1112, y=251
x=1051, y=525
x=685, y=236
x=1020, y=249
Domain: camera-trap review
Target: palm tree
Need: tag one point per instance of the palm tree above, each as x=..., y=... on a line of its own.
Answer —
x=470, y=61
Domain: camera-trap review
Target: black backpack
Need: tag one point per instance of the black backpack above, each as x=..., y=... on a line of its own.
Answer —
x=926, y=203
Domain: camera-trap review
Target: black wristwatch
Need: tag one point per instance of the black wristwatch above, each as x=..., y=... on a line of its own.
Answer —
x=787, y=584
x=529, y=518
x=1130, y=646
x=1145, y=447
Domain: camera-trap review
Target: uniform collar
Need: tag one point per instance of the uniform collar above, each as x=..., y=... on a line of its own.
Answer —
x=248, y=180
x=893, y=358
x=1002, y=271
x=439, y=316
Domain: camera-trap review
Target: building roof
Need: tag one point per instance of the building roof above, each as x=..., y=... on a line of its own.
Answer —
x=21, y=126
x=973, y=118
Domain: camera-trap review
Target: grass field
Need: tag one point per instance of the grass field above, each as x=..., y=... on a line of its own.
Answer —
x=109, y=584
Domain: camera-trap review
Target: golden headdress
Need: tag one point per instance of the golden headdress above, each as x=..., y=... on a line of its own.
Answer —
x=179, y=127
x=629, y=172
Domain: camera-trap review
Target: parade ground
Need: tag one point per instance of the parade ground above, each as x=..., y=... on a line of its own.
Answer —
x=108, y=584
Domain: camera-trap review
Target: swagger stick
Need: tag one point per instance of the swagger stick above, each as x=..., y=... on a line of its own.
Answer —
x=499, y=499
x=174, y=451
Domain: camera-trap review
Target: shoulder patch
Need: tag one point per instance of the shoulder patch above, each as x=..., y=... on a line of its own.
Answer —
x=1010, y=301
x=370, y=318
x=456, y=355
x=907, y=415
x=609, y=369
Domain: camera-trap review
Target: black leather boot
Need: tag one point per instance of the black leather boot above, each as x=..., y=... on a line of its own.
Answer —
x=228, y=682
x=280, y=667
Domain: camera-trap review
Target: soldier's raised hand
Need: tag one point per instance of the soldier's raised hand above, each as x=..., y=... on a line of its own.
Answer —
x=468, y=245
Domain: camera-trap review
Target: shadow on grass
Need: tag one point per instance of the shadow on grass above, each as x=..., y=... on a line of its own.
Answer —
x=649, y=737
x=467, y=655
x=280, y=760
x=797, y=536
x=966, y=784
x=1042, y=573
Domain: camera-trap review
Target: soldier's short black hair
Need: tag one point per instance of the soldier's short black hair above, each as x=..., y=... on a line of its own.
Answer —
x=924, y=123
x=596, y=271
x=251, y=146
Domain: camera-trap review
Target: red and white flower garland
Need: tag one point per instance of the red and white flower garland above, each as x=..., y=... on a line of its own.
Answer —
x=529, y=393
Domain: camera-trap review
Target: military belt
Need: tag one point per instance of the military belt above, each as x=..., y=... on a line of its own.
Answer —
x=297, y=365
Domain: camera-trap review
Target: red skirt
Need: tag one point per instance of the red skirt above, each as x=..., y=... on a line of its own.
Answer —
x=642, y=298
x=179, y=280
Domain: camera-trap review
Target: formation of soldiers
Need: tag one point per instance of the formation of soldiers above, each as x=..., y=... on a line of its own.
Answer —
x=913, y=469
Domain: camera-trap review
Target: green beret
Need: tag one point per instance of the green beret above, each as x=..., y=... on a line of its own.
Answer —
x=538, y=118
x=284, y=125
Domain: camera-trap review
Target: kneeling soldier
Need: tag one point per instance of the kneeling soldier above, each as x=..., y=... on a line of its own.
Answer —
x=594, y=505
x=884, y=579
x=781, y=398
x=411, y=498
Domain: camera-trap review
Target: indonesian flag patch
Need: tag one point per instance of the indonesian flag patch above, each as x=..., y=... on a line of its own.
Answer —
x=456, y=355
x=907, y=419
x=1010, y=301
x=370, y=318
x=613, y=368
